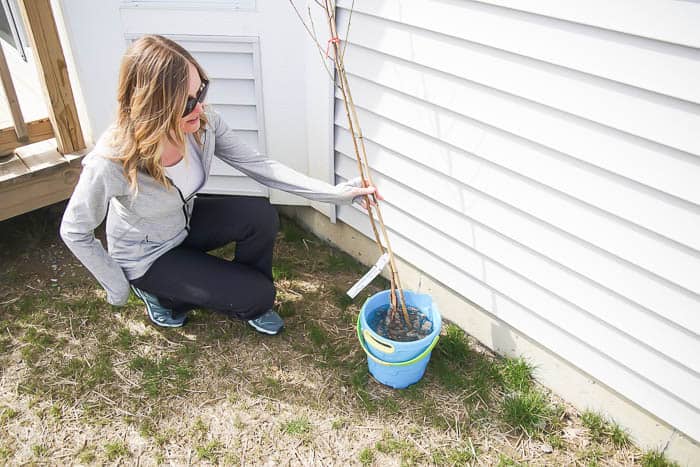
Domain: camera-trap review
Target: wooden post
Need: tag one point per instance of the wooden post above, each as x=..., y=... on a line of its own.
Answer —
x=53, y=74
x=12, y=101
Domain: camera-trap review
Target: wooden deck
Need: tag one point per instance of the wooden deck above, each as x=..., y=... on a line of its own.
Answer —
x=35, y=176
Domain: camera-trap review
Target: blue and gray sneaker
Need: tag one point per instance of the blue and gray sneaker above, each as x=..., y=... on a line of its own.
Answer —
x=267, y=323
x=159, y=315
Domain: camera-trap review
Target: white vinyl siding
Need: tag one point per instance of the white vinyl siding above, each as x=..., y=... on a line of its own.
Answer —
x=232, y=66
x=545, y=165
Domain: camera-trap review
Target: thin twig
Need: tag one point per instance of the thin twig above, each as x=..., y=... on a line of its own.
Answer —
x=347, y=31
x=314, y=37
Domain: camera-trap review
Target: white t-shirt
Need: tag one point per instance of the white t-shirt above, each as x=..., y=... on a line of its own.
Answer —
x=188, y=174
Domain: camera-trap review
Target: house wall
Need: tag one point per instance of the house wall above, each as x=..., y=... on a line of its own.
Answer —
x=543, y=164
x=258, y=57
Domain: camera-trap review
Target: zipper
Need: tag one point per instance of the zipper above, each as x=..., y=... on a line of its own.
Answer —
x=184, y=203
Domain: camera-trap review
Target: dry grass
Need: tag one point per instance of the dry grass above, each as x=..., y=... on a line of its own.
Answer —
x=86, y=383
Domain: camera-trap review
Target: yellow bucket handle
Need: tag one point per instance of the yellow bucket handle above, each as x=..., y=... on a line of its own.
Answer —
x=382, y=362
x=376, y=343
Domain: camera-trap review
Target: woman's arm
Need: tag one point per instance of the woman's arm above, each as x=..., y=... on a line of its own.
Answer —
x=86, y=210
x=233, y=151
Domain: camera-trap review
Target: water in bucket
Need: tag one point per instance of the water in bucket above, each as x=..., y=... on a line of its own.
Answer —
x=394, y=327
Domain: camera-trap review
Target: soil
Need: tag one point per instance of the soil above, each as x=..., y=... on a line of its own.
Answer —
x=392, y=325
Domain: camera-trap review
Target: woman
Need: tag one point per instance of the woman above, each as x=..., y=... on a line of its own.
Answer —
x=144, y=173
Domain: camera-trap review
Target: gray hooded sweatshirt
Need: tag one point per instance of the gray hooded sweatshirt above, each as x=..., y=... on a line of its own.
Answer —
x=142, y=227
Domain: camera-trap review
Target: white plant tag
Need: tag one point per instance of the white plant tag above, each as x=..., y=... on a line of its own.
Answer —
x=369, y=276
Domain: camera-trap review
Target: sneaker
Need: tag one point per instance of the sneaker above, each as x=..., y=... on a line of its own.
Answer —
x=159, y=315
x=267, y=323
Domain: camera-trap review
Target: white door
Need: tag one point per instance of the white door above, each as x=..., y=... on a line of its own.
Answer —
x=262, y=68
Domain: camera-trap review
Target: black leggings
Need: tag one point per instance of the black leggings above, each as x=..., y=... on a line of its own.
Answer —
x=186, y=277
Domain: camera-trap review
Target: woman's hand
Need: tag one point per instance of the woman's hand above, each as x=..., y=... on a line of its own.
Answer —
x=365, y=193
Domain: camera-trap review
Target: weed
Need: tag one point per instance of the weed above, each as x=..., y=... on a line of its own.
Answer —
x=116, y=450
x=390, y=445
x=596, y=425
x=453, y=345
x=5, y=452
x=200, y=429
x=590, y=456
x=366, y=456
x=39, y=450
x=55, y=412
x=125, y=340
x=87, y=455
x=339, y=261
x=656, y=459
x=342, y=299
x=7, y=414
x=282, y=270
x=273, y=387
x=209, y=452
x=390, y=405
x=297, y=427
x=454, y=456
x=516, y=374
x=162, y=377
x=286, y=309
x=527, y=411
x=291, y=232
x=339, y=424
x=505, y=461
x=556, y=441
x=619, y=436
x=37, y=344
x=317, y=335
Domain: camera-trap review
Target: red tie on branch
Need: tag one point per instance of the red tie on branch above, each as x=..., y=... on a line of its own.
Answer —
x=335, y=40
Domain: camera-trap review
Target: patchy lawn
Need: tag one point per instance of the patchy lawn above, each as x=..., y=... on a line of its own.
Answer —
x=83, y=382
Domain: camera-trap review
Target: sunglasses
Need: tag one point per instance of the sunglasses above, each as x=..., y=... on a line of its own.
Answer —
x=192, y=101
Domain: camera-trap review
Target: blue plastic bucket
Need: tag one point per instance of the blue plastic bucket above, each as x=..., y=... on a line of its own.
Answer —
x=393, y=363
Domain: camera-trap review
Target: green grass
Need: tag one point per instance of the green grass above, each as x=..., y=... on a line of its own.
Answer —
x=7, y=414
x=505, y=461
x=291, y=232
x=210, y=451
x=366, y=456
x=600, y=430
x=87, y=455
x=287, y=309
x=591, y=455
x=656, y=459
x=5, y=452
x=84, y=366
x=342, y=299
x=165, y=376
x=339, y=424
x=39, y=450
x=527, y=411
x=297, y=426
x=516, y=374
x=125, y=340
x=339, y=261
x=407, y=451
x=115, y=450
x=456, y=456
x=282, y=270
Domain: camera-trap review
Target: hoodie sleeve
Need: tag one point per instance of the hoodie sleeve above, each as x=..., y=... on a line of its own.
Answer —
x=232, y=150
x=86, y=210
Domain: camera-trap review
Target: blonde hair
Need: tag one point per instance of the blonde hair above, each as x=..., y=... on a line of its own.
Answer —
x=152, y=94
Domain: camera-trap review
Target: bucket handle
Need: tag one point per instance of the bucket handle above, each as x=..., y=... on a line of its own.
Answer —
x=376, y=343
x=382, y=362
